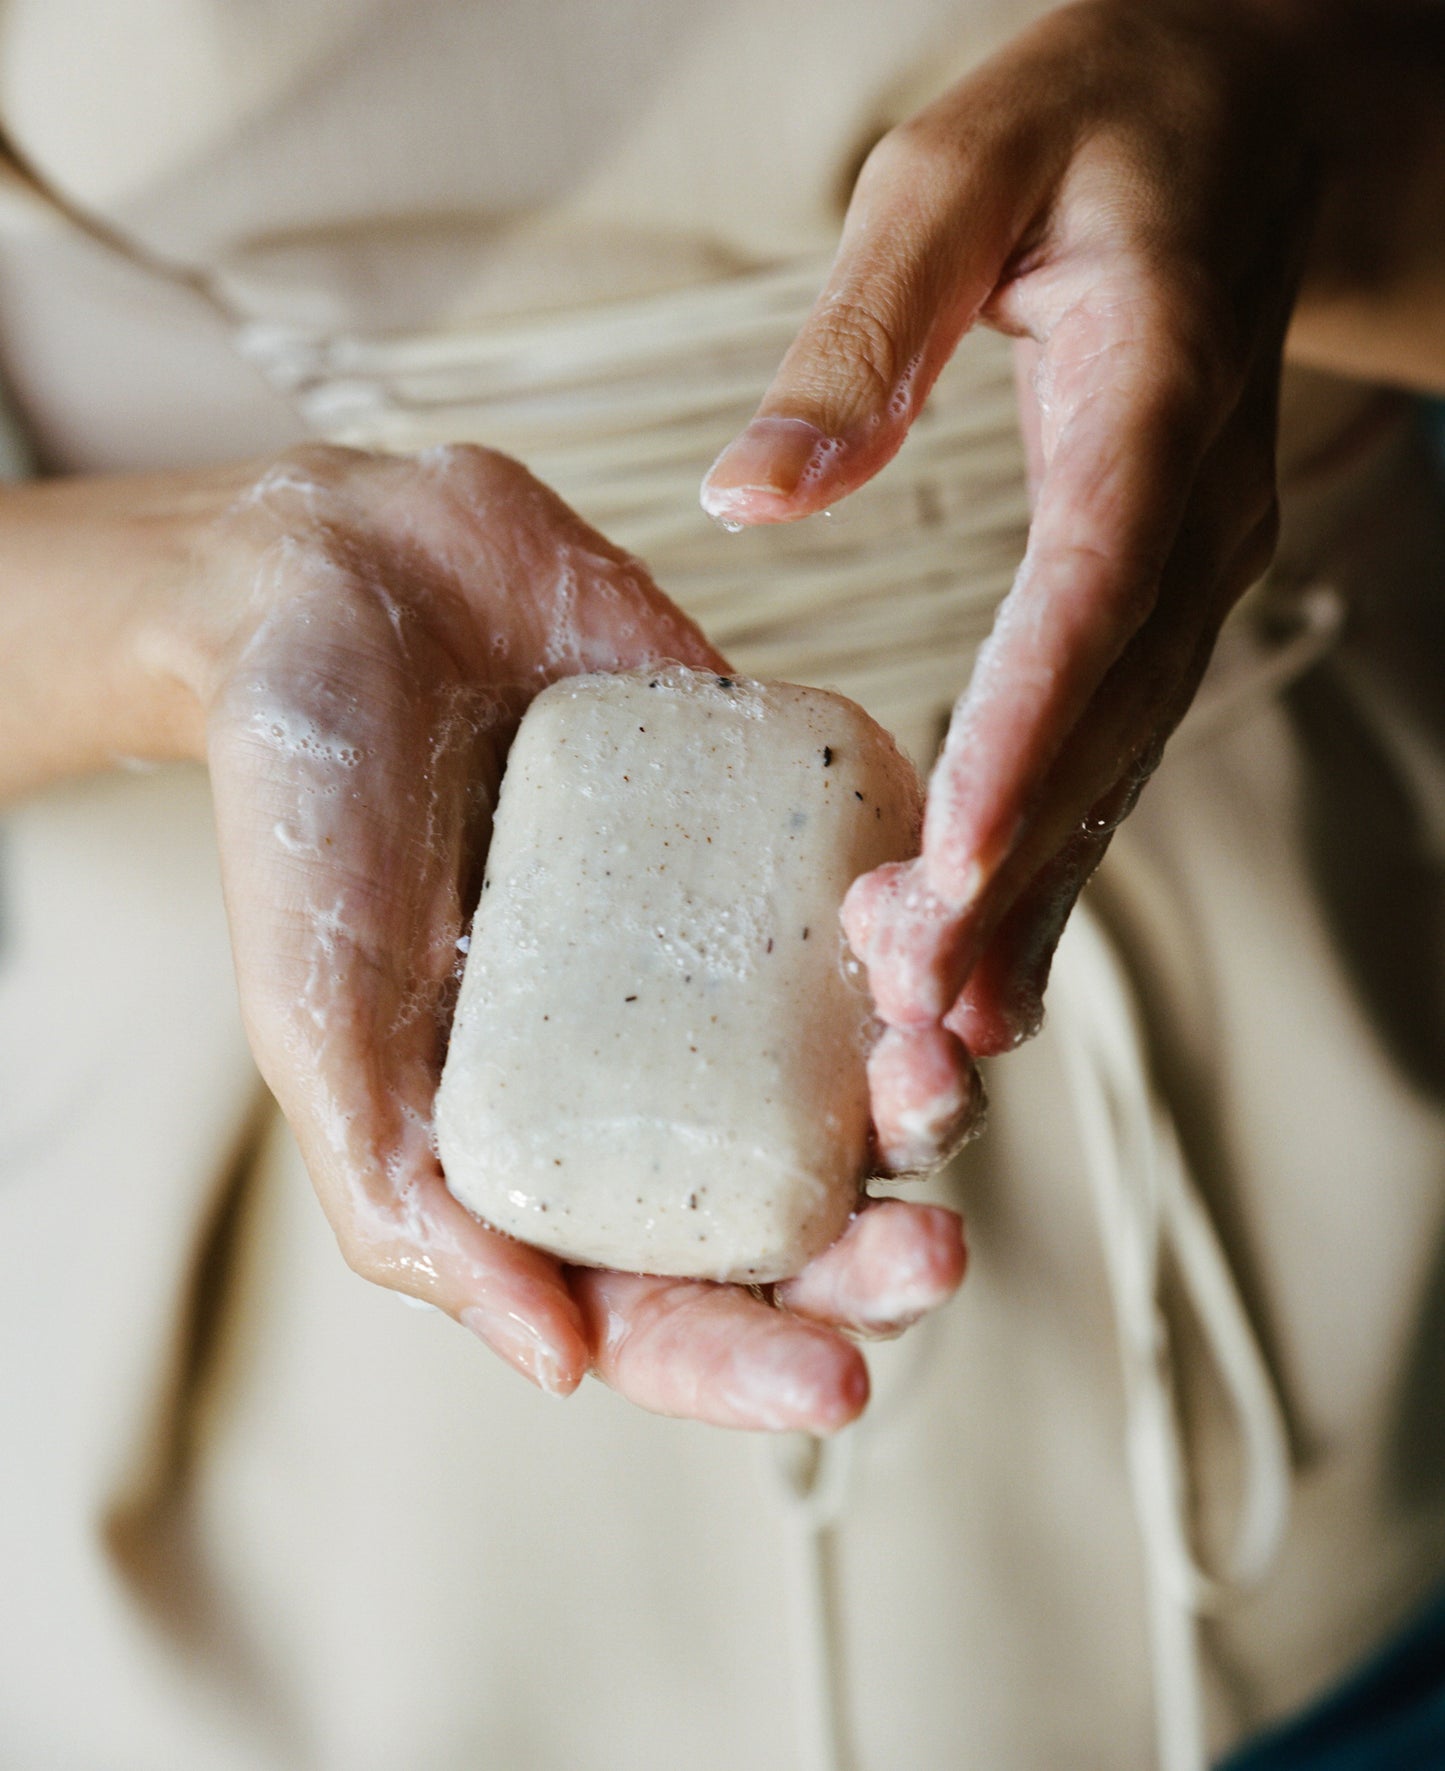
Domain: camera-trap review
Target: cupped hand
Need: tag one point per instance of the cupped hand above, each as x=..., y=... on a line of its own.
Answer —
x=1126, y=189
x=374, y=628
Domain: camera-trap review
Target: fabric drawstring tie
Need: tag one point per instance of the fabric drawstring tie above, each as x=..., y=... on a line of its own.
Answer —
x=1147, y=1206
x=1145, y=1202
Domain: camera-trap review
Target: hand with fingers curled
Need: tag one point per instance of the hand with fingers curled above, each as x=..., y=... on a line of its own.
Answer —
x=363, y=634
x=1128, y=191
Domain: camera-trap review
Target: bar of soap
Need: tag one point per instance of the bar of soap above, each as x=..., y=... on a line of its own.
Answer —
x=658, y=1056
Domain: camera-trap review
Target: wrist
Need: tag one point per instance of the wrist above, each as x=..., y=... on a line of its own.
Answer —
x=192, y=606
x=104, y=651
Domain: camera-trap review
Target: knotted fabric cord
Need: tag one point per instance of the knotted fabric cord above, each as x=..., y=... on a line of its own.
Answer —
x=1146, y=1202
x=809, y=1480
x=1143, y=1199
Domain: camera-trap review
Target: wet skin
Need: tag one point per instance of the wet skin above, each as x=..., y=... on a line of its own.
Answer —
x=387, y=623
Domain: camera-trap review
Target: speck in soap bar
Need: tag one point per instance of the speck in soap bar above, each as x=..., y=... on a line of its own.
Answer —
x=658, y=1057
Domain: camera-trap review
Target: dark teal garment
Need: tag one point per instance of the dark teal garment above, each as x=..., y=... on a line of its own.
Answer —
x=1387, y=1716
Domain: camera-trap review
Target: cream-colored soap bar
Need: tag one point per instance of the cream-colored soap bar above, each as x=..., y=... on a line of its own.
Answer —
x=658, y=1057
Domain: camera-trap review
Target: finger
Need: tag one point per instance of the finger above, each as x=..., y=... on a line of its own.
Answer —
x=1116, y=746
x=981, y=973
x=926, y=1095
x=1002, y=1003
x=920, y=952
x=893, y=1264
x=1109, y=512
x=907, y=939
x=719, y=1354
x=359, y=1102
x=1111, y=756
x=584, y=603
x=939, y=207
x=1156, y=432
x=420, y=1241
x=364, y=1135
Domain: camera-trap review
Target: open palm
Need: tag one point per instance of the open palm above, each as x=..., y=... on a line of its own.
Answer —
x=395, y=618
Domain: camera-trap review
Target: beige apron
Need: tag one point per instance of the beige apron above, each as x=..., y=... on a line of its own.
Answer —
x=256, y=1515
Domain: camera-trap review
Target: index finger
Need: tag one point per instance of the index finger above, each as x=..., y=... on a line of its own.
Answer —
x=939, y=207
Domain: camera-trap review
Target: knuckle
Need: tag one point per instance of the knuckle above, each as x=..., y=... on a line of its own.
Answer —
x=452, y=487
x=1134, y=593
x=1252, y=499
x=475, y=461
x=1266, y=535
x=1183, y=337
x=359, y=1252
x=365, y=1221
x=1189, y=379
x=297, y=491
x=471, y=468
x=937, y=149
x=903, y=153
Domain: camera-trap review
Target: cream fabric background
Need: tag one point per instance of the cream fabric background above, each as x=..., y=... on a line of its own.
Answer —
x=254, y=1515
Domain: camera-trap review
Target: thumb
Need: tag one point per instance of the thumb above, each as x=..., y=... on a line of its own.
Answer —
x=933, y=220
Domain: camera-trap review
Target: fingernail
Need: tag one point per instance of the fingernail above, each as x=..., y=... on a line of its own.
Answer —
x=763, y=467
x=516, y=1341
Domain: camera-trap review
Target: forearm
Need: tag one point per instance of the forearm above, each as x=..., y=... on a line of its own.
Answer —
x=97, y=660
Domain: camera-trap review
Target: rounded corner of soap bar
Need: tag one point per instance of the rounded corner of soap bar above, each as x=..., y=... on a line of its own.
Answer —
x=797, y=1239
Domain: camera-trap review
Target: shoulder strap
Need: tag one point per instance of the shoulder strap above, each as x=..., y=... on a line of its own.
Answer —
x=16, y=165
